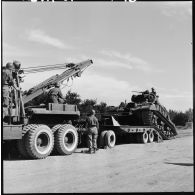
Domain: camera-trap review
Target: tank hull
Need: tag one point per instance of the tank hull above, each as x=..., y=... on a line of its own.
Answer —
x=154, y=115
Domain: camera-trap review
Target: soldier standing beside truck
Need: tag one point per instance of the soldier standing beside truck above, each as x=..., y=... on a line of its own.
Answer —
x=92, y=126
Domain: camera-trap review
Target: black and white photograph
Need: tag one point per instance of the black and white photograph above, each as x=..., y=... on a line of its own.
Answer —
x=96, y=96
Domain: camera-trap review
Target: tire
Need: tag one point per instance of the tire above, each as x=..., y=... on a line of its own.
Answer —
x=143, y=138
x=110, y=139
x=39, y=141
x=22, y=148
x=55, y=128
x=102, y=139
x=66, y=139
x=27, y=128
x=21, y=143
x=151, y=136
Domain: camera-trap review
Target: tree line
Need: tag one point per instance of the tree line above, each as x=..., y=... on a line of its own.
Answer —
x=178, y=117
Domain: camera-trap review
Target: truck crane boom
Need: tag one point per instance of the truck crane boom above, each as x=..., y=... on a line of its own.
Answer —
x=74, y=70
x=32, y=126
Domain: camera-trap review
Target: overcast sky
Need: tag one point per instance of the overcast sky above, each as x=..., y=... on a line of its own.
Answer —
x=134, y=46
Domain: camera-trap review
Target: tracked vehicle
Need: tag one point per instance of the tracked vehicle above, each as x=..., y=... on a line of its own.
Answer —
x=142, y=120
x=146, y=110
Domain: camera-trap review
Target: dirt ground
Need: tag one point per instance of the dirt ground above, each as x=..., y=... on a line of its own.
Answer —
x=155, y=167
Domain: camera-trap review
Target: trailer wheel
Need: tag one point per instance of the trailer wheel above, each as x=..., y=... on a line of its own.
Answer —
x=102, y=139
x=66, y=139
x=39, y=141
x=143, y=138
x=151, y=136
x=110, y=139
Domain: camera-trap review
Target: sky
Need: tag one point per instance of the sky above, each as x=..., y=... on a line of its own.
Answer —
x=134, y=46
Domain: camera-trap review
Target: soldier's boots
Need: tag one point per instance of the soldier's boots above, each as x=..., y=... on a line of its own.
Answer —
x=95, y=150
x=90, y=151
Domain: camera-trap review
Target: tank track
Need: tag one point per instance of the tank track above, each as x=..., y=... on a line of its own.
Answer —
x=164, y=127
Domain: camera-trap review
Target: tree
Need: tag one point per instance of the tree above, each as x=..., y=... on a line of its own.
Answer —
x=87, y=105
x=189, y=114
x=72, y=98
x=172, y=114
x=101, y=108
x=180, y=119
x=122, y=105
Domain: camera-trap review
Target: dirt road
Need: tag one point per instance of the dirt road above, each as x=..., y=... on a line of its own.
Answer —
x=155, y=167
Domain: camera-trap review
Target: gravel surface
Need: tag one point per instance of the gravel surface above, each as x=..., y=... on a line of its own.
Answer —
x=152, y=167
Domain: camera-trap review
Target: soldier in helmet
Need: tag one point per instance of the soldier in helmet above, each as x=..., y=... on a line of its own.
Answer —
x=7, y=83
x=16, y=65
x=92, y=126
x=156, y=101
x=153, y=91
x=55, y=94
x=145, y=95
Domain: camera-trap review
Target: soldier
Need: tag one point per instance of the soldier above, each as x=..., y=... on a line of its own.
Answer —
x=153, y=91
x=92, y=126
x=7, y=82
x=55, y=95
x=145, y=95
x=17, y=65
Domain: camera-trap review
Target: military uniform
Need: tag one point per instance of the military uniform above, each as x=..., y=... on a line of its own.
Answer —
x=92, y=126
x=55, y=95
x=154, y=91
x=156, y=96
x=7, y=82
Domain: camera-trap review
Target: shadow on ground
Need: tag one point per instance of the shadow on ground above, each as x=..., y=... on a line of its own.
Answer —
x=181, y=164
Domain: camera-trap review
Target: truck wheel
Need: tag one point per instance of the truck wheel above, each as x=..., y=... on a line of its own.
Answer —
x=110, y=139
x=39, y=141
x=55, y=128
x=143, y=138
x=21, y=143
x=21, y=147
x=151, y=137
x=66, y=139
x=102, y=139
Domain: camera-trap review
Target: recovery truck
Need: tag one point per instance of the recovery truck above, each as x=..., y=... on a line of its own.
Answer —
x=38, y=128
x=143, y=120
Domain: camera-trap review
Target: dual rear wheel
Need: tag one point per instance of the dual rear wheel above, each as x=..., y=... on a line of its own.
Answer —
x=107, y=139
x=66, y=139
x=38, y=140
